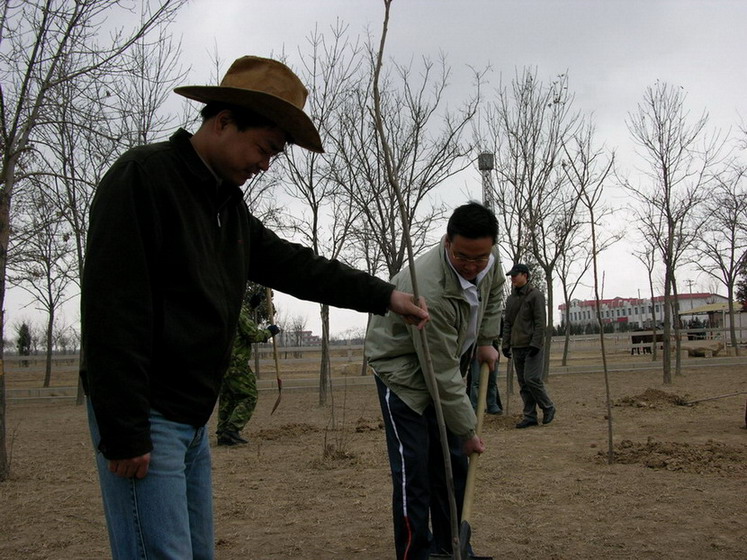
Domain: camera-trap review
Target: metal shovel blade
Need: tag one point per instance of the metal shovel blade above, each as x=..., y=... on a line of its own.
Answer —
x=465, y=533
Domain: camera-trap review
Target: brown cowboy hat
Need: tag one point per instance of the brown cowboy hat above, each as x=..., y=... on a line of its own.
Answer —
x=269, y=88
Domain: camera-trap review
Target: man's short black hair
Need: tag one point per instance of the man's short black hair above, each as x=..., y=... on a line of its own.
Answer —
x=473, y=221
x=243, y=118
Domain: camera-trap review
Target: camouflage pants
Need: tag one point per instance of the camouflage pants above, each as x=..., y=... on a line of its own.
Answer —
x=238, y=398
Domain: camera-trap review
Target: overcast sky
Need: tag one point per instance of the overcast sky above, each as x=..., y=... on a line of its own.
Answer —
x=612, y=50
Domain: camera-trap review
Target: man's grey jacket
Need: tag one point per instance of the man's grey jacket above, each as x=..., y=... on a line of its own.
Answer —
x=395, y=351
x=525, y=320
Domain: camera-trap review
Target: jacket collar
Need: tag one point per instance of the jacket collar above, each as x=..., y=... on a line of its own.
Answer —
x=452, y=286
x=524, y=290
x=197, y=166
x=181, y=141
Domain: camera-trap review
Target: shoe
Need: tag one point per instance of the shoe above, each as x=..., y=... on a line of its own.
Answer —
x=548, y=415
x=494, y=410
x=236, y=437
x=526, y=423
x=225, y=439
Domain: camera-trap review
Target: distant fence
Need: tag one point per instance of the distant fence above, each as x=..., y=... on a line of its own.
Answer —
x=337, y=352
x=36, y=361
x=341, y=353
x=632, y=341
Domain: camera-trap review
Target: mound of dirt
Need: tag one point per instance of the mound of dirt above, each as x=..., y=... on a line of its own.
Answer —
x=653, y=398
x=501, y=421
x=368, y=425
x=711, y=457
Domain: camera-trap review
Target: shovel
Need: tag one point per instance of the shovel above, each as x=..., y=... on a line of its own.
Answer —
x=465, y=530
x=271, y=318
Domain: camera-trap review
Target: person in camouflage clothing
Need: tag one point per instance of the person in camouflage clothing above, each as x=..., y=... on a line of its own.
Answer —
x=238, y=393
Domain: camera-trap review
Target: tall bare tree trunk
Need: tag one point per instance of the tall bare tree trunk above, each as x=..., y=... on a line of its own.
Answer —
x=566, y=336
x=4, y=237
x=667, y=345
x=48, y=358
x=325, y=373
x=732, y=327
x=610, y=449
x=654, y=345
x=548, y=329
x=4, y=464
x=677, y=329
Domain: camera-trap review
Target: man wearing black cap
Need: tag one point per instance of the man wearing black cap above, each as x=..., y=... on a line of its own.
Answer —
x=171, y=246
x=524, y=338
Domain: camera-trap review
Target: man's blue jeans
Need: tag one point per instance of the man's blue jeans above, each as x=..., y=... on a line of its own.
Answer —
x=169, y=513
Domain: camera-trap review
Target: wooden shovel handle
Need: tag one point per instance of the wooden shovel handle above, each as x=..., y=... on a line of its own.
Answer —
x=482, y=397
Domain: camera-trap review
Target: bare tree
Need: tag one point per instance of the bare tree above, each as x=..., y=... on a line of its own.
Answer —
x=647, y=257
x=65, y=336
x=679, y=153
x=428, y=147
x=74, y=147
x=721, y=243
x=97, y=117
x=45, y=44
x=42, y=262
x=741, y=294
x=539, y=209
x=572, y=266
x=587, y=172
x=329, y=67
x=525, y=126
x=296, y=329
x=139, y=95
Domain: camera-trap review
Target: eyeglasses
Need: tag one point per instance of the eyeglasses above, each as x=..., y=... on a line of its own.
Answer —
x=468, y=260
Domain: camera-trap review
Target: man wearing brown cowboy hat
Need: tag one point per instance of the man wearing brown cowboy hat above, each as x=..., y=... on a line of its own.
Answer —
x=171, y=245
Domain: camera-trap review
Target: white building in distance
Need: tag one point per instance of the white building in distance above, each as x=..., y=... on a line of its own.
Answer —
x=634, y=313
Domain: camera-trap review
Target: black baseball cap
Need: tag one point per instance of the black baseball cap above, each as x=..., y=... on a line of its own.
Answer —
x=518, y=268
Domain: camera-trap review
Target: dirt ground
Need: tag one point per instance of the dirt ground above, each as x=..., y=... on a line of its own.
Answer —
x=314, y=484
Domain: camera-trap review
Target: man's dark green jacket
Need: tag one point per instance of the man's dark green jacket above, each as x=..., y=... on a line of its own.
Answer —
x=525, y=320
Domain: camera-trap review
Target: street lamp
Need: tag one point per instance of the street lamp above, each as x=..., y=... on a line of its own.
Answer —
x=485, y=163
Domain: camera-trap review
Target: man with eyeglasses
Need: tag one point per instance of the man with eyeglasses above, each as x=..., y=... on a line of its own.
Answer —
x=462, y=281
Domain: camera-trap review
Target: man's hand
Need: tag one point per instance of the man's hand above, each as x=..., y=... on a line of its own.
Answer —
x=473, y=445
x=137, y=467
x=403, y=304
x=507, y=352
x=533, y=351
x=487, y=354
